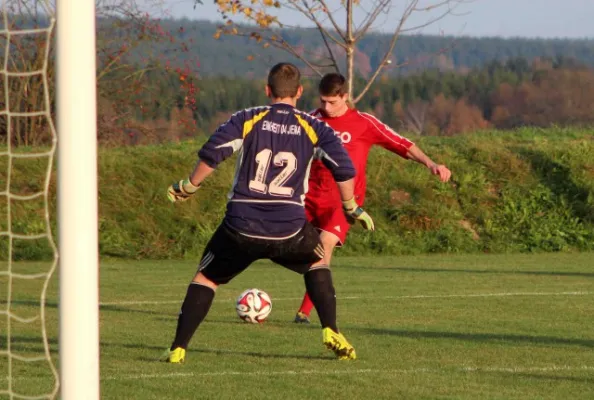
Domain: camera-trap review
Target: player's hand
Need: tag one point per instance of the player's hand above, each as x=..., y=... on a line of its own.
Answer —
x=352, y=210
x=181, y=191
x=441, y=171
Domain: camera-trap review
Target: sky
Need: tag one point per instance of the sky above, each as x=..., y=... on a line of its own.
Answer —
x=504, y=18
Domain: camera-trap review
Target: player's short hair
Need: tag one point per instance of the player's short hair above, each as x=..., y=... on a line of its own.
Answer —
x=333, y=84
x=284, y=80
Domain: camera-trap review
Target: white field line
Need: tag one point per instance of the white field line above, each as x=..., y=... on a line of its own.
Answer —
x=362, y=297
x=279, y=281
x=463, y=369
x=468, y=369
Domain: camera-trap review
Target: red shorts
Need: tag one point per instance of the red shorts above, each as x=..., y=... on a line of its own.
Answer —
x=329, y=218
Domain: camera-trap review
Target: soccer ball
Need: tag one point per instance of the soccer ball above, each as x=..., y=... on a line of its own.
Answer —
x=253, y=305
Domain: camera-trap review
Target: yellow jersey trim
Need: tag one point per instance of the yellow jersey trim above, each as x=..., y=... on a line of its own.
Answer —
x=249, y=124
x=309, y=130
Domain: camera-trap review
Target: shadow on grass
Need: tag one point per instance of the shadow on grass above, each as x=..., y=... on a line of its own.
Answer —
x=553, y=377
x=479, y=337
x=32, y=303
x=112, y=308
x=263, y=354
x=108, y=307
x=196, y=351
x=29, y=345
x=32, y=344
x=474, y=271
x=558, y=178
x=26, y=339
x=269, y=323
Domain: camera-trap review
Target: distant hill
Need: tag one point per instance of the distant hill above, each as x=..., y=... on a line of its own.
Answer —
x=229, y=55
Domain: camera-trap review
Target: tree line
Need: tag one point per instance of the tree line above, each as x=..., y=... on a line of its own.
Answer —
x=165, y=79
x=501, y=95
x=240, y=56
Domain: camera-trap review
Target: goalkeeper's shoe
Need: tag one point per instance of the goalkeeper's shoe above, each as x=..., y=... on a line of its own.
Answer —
x=338, y=344
x=175, y=356
x=301, y=318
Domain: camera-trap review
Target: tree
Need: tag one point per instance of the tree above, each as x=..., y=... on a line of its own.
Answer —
x=561, y=96
x=124, y=27
x=339, y=39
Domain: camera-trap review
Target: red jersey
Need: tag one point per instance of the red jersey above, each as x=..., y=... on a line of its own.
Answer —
x=358, y=132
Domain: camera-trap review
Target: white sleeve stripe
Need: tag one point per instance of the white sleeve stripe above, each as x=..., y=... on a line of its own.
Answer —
x=375, y=123
x=324, y=155
x=318, y=153
x=235, y=144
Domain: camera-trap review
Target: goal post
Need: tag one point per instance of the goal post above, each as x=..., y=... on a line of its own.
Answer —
x=77, y=199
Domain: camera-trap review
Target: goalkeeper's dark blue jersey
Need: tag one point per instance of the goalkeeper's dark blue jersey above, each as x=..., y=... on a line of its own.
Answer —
x=275, y=145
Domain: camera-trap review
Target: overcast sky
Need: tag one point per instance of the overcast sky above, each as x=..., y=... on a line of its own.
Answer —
x=506, y=18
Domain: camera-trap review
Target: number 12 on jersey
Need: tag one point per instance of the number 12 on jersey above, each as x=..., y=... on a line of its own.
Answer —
x=275, y=188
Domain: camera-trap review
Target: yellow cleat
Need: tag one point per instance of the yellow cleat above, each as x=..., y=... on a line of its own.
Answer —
x=338, y=344
x=175, y=356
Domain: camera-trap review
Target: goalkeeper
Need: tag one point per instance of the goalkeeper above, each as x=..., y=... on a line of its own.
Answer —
x=358, y=131
x=265, y=217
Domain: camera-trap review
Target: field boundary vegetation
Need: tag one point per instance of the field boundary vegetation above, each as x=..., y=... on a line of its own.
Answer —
x=527, y=190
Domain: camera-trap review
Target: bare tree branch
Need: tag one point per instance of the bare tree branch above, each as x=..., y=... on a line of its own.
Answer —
x=346, y=36
x=411, y=8
x=295, y=53
x=330, y=53
x=430, y=22
x=407, y=12
x=368, y=22
x=280, y=43
x=335, y=25
x=324, y=32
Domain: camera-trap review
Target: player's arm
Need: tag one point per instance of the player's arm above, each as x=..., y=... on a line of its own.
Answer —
x=338, y=161
x=386, y=137
x=226, y=140
x=416, y=154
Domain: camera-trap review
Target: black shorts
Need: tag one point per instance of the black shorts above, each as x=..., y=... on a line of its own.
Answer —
x=228, y=252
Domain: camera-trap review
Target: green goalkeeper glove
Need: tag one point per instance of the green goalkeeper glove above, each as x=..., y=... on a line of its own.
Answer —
x=181, y=191
x=352, y=210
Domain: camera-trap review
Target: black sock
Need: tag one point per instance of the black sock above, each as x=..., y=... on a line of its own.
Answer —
x=194, y=309
x=318, y=283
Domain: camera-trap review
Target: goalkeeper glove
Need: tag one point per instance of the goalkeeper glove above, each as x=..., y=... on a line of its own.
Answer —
x=181, y=191
x=352, y=210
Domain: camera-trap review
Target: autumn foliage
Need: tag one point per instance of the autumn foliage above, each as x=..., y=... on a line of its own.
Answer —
x=542, y=94
x=554, y=96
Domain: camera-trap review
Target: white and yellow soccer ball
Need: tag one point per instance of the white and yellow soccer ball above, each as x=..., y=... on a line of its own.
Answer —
x=253, y=305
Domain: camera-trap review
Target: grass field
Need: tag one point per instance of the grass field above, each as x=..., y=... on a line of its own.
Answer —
x=427, y=327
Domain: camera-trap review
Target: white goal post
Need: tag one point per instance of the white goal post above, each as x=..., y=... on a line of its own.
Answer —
x=77, y=200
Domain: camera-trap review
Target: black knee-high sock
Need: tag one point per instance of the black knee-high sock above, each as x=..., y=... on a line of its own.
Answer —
x=195, y=307
x=318, y=283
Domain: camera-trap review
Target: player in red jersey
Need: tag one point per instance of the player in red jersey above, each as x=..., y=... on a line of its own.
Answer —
x=358, y=132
